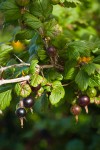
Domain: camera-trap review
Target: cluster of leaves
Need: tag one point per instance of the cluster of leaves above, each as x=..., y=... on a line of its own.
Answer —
x=73, y=67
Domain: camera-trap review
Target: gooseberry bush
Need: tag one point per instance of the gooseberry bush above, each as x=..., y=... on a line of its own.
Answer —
x=48, y=63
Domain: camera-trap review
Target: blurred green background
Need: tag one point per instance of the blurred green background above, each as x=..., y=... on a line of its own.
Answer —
x=56, y=129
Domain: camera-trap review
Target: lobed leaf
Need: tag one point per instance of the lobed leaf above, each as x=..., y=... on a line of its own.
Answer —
x=54, y=75
x=97, y=59
x=94, y=81
x=41, y=8
x=10, y=10
x=5, y=53
x=5, y=98
x=41, y=104
x=42, y=54
x=89, y=68
x=57, y=94
x=82, y=79
x=25, y=90
x=36, y=80
x=70, y=70
x=33, y=66
x=32, y=21
x=22, y=90
x=71, y=3
x=24, y=34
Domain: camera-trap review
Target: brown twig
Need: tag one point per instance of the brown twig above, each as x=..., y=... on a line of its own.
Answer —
x=6, y=81
x=13, y=66
x=25, y=78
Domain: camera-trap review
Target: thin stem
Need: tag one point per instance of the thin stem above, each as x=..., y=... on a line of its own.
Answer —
x=25, y=78
x=18, y=58
x=67, y=83
x=27, y=64
x=46, y=66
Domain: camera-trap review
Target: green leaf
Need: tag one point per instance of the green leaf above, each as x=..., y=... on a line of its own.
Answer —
x=69, y=94
x=17, y=72
x=51, y=28
x=32, y=21
x=40, y=91
x=75, y=144
x=56, y=83
x=47, y=88
x=25, y=90
x=82, y=79
x=44, y=82
x=72, y=53
x=94, y=81
x=5, y=53
x=57, y=94
x=33, y=66
x=22, y=90
x=89, y=68
x=24, y=34
x=71, y=3
x=95, y=45
x=5, y=98
x=17, y=89
x=6, y=87
x=70, y=70
x=36, y=80
x=97, y=60
x=10, y=10
x=96, y=50
x=41, y=104
x=77, y=48
x=54, y=75
x=70, y=74
x=97, y=68
x=41, y=8
x=42, y=54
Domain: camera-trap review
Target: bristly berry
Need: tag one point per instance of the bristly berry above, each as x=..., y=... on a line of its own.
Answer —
x=28, y=102
x=75, y=110
x=84, y=100
x=20, y=112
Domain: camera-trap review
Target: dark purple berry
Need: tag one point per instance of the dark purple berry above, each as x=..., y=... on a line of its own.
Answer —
x=35, y=89
x=28, y=102
x=75, y=110
x=84, y=100
x=20, y=112
x=51, y=50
